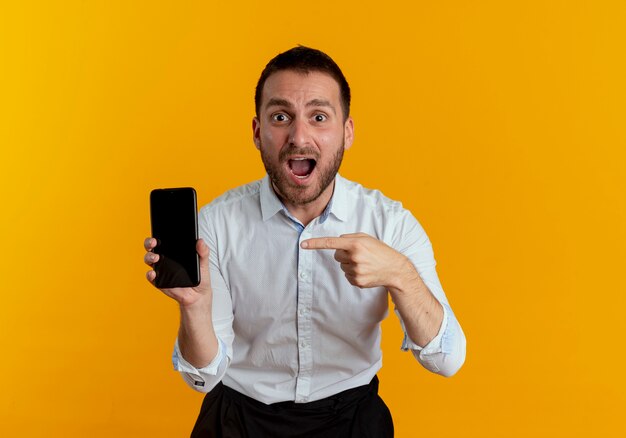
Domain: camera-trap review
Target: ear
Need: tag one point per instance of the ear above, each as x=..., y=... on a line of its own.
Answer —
x=348, y=133
x=256, y=132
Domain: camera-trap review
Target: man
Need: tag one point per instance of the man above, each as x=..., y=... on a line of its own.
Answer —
x=284, y=330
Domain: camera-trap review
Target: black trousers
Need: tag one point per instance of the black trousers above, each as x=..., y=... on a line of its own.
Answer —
x=357, y=412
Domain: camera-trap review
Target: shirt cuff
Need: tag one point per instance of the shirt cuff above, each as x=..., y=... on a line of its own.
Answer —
x=180, y=364
x=436, y=345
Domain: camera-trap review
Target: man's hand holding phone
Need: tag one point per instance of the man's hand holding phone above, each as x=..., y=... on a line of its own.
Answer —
x=196, y=337
x=185, y=296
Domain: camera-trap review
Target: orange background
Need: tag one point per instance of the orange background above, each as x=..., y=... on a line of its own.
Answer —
x=499, y=124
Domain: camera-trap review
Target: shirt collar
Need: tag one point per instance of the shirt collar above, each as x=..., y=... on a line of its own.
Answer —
x=270, y=204
x=337, y=206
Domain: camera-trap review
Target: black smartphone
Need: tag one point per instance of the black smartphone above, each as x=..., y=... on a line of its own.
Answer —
x=174, y=219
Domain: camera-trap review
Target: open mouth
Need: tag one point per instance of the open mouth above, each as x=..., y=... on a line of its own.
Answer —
x=302, y=167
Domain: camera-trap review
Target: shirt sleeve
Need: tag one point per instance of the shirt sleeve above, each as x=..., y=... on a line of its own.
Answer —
x=204, y=379
x=201, y=379
x=445, y=353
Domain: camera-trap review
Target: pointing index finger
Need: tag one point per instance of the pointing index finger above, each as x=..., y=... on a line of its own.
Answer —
x=326, y=243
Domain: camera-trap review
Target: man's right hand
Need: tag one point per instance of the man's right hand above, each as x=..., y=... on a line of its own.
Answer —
x=185, y=296
x=196, y=338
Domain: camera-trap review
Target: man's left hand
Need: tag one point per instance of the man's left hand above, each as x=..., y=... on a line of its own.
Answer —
x=366, y=261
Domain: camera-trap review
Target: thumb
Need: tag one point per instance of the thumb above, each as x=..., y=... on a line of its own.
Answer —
x=203, y=251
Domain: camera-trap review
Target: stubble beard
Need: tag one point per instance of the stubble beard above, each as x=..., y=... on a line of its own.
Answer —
x=295, y=194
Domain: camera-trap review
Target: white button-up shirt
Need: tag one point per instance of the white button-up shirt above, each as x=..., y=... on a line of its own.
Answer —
x=290, y=326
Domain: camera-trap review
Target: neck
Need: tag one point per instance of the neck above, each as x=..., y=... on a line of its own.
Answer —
x=305, y=213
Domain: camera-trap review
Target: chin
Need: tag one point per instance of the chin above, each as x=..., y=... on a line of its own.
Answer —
x=300, y=195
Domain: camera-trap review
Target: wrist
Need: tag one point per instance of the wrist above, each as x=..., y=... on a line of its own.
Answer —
x=201, y=306
x=403, y=277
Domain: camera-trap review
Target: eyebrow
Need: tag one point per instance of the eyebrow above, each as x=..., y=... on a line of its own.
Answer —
x=275, y=101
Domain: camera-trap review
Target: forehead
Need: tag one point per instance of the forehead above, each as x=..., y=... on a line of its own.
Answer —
x=300, y=87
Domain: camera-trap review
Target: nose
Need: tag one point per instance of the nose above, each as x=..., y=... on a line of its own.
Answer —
x=299, y=133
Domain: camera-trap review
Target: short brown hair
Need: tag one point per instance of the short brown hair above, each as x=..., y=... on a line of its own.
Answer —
x=305, y=60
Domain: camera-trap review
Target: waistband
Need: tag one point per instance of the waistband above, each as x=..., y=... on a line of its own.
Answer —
x=334, y=402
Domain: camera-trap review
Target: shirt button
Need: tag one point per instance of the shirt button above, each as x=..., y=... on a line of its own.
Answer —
x=301, y=312
x=303, y=275
x=303, y=344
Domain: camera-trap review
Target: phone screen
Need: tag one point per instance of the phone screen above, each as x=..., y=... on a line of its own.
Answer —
x=174, y=219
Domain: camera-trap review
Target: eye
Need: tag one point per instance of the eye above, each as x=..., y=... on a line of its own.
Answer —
x=279, y=117
x=319, y=117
